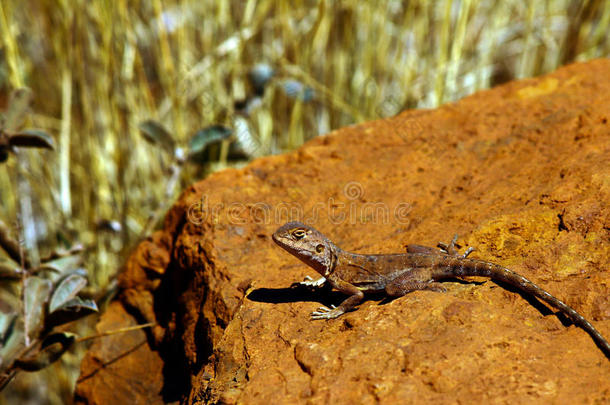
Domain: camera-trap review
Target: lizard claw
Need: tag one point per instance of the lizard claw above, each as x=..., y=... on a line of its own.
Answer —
x=326, y=313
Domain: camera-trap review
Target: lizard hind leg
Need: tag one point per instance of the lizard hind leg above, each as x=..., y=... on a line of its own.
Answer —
x=412, y=281
x=451, y=250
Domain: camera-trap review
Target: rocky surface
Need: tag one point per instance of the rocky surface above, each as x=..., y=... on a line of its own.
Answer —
x=521, y=172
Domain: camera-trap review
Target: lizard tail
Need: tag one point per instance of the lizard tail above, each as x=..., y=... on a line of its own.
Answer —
x=473, y=267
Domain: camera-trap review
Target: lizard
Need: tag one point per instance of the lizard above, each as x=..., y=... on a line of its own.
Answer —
x=420, y=268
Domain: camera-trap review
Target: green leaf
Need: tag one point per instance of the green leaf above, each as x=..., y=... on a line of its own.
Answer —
x=246, y=144
x=32, y=138
x=77, y=304
x=259, y=76
x=108, y=225
x=72, y=310
x=7, y=324
x=51, y=349
x=13, y=345
x=156, y=134
x=207, y=136
x=8, y=271
x=63, y=265
x=66, y=290
x=35, y=295
x=297, y=90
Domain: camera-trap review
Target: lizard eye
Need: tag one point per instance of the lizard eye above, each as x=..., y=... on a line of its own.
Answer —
x=298, y=234
x=320, y=248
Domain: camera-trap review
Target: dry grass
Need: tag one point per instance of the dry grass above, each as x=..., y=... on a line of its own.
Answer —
x=98, y=69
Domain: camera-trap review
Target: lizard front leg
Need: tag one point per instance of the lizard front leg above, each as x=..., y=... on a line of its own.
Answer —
x=310, y=282
x=355, y=296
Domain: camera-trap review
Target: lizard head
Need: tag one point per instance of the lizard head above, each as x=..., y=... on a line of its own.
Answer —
x=307, y=244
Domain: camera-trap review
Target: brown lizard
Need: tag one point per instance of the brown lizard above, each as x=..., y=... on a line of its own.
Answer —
x=398, y=274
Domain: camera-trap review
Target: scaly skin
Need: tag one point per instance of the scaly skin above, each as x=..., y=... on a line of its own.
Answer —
x=398, y=274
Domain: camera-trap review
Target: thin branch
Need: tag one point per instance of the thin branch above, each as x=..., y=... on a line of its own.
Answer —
x=5, y=378
x=116, y=331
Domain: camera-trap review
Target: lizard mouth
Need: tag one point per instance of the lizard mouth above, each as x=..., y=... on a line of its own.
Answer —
x=278, y=241
x=275, y=238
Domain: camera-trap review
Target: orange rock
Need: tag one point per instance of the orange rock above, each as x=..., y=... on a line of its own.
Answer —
x=521, y=172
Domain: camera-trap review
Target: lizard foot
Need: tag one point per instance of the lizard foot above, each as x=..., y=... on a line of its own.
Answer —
x=432, y=286
x=310, y=282
x=327, y=313
x=450, y=248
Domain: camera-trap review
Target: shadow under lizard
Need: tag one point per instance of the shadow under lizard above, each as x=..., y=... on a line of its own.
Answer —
x=398, y=274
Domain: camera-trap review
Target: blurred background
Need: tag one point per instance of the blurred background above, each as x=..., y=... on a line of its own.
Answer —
x=132, y=101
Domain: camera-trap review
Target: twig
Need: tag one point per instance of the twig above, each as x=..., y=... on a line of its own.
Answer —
x=116, y=331
x=5, y=378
